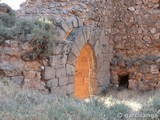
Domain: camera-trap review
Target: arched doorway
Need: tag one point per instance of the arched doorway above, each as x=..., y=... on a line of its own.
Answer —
x=85, y=75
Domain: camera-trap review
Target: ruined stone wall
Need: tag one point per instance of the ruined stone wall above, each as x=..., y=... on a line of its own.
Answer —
x=79, y=23
x=87, y=28
x=126, y=31
x=26, y=74
x=13, y=66
x=102, y=14
x=136, y=41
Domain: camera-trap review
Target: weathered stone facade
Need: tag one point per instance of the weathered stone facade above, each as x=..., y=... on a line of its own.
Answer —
x=21, y=72
x=124, y=36
x=78, y=26
x=136, y=41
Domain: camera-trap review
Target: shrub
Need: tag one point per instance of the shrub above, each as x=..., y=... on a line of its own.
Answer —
x=43, y=37
x=41, y=33
x=155, y=102
x=5, y=33
x=7, y=21
x=8, y=18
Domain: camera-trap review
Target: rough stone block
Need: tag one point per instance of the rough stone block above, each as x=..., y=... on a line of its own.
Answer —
x=157, y=36
x=142, y=86
x=74, y=21
x=12, y=51
x=52, y=83
x=70, y=88
x=80, y=22
x=33, y=65
x=103, y=65
x=71, y=95
x=2, y=73
x=100, y=65
x=80, y=41
x=154, y=1
x=103, y=81
x=32, y=75
x=72, y=59
x=58, y=49
x=70, y=24
x=13, y=73
x=115, y=79
x=85, y=34
x=101, y=89
x=158, y=85
x=63, y=81
x=61, y=72
x=35, y=85
x=38, y=76
x=5, y=79
x=153, y=30
x=18, y=80
x=154, y=69
x=88, y=33
x=11, y=68
x=158, y=63
x=57, y=60
x=59, y=91
x=65, y=27
x=101, y=74
x=48, y=73
x=70, y=69
x=29, y=74
x=138, y=76
x=152, y=85
x=75, y=50
x=133, y=85
x=131, y=9
x=59, y=66
x=61, y=37
x=70, y=80
x=149, y=76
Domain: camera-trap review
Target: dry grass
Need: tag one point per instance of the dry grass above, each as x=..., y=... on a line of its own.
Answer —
x=20, y=104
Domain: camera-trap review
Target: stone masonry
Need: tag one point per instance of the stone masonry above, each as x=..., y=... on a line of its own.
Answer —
x=124, y=36
x=136, y=41
x=77, y=27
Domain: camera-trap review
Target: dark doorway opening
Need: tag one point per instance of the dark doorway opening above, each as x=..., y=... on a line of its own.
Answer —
x=123, y=81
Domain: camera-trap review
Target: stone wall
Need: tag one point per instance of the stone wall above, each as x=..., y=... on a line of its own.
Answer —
x=26, y=74
x=136, y=41
x=124, y=35
x=87, y=28
x=79, y=23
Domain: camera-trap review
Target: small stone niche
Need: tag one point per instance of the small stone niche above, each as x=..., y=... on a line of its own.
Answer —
x=123, y=81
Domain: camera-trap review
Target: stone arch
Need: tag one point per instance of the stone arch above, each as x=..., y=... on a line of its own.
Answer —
x=85, y=74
